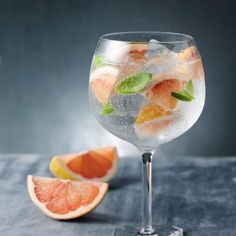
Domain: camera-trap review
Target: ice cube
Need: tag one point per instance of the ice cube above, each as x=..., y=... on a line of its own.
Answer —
x=156, y=48
x=160, y=58
x=126, y=109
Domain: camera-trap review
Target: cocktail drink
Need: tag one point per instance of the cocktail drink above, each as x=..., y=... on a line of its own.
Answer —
x=147, y=88
x=146, y=93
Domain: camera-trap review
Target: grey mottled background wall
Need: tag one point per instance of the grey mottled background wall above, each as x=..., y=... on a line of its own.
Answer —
x=46, y=48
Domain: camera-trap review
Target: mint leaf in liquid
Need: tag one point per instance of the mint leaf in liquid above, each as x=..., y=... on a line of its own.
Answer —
x=107, y=109
x=190, y=88
x=133, y=84
x=98, y=61
x=187, y=94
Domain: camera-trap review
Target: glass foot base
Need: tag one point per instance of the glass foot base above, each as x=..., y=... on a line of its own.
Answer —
x=160, y=230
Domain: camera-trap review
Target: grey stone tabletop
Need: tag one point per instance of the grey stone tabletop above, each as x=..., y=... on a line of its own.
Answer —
x=195, y=193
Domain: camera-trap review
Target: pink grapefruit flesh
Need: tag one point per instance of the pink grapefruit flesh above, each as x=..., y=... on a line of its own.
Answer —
x=65, y=199
x=190, y=61
x=160, y=93
x=151, y=119
x=96, y=164
x=102, y=81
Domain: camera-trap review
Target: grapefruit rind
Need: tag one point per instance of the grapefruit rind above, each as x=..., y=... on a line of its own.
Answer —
x=60, y=170
x=72, y=214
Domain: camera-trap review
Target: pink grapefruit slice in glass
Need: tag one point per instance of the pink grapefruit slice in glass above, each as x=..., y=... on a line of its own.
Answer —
x=190, y=63
x=102, y=81
x=151, y=119
x=161, y=90
x=126, y=52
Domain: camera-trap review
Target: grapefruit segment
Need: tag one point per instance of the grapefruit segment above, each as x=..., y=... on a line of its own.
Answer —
x=65, y=199
x=133, y=52
x=190, y=63
x=151, y=119
x=137, y=52
x=150, y=112
x=160, y=92
x=188, y=54
x=102, y=81
x=98, y=164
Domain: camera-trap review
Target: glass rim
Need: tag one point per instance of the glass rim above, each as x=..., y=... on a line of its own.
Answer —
x=186, y=38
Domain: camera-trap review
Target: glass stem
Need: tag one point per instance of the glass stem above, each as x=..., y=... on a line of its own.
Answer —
x=147, y=228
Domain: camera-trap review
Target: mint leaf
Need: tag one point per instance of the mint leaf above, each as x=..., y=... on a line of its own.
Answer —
x=182, y=95
x=108, y=109
x=189, y=88
x=187, y=94
x=98, y=61
x=133, y=84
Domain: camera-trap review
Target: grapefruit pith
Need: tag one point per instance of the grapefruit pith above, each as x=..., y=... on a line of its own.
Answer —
x=65, y=199
x=97, y=164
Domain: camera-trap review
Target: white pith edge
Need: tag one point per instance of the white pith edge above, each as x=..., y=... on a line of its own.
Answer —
x=111, y=172
x=72, y=214
x=104, y=70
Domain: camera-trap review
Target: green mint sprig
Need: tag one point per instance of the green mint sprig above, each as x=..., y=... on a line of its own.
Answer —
x=107, y=109
x=187, y=94
x=133, y=84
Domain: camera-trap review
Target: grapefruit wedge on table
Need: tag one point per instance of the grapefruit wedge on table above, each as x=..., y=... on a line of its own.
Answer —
x=65, y=199
x=98, y=164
